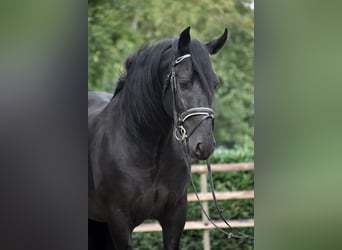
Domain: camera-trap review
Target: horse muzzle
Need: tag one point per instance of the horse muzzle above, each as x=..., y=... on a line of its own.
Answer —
x=201, y=143
x=201, y=148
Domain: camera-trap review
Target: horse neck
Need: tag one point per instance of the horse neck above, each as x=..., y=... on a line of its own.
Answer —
x=148, y=136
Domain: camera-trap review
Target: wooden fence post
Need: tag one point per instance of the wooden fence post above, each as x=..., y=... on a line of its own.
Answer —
x=204, y=189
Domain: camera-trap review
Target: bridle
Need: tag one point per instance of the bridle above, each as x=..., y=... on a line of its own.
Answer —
x=181, y=134
x=179, y=120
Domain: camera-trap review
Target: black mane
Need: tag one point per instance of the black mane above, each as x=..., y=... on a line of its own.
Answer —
x=141, y=90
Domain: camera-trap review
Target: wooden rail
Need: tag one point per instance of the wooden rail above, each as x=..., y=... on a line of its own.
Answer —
x=205, y=196
x=237, y=195
x=223, y=167
x=196, y=225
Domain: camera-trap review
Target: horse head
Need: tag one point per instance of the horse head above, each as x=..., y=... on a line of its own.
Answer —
x=188, y=91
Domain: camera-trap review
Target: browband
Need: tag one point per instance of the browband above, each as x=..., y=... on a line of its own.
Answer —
x=181, y=58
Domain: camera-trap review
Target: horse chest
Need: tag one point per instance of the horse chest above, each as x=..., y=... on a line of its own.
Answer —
x=151, y=201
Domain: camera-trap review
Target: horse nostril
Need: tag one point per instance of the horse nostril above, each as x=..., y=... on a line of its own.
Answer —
x=199, y=149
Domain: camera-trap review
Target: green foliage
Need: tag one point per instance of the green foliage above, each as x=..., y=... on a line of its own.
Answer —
x=238, y=154
x=117, y=29
x=234, y=209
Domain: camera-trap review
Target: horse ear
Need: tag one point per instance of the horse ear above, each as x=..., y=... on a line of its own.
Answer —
x=184, y=41
x=215, y=45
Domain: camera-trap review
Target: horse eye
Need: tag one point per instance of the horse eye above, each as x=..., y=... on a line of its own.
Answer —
x=183, y=85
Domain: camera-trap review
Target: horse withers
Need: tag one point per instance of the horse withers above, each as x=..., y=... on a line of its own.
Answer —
x=161, y=111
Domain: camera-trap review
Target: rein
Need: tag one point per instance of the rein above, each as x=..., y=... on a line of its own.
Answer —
x=179, y=120
x=219, y=211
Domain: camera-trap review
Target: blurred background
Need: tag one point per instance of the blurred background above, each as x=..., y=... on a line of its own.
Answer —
x=43, y=95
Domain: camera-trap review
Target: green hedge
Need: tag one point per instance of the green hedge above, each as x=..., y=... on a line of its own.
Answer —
x=234, y=209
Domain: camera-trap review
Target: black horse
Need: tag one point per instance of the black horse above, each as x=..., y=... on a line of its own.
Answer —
x=138, y=170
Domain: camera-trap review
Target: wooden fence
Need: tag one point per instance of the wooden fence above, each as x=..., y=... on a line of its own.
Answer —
x=205, y=196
